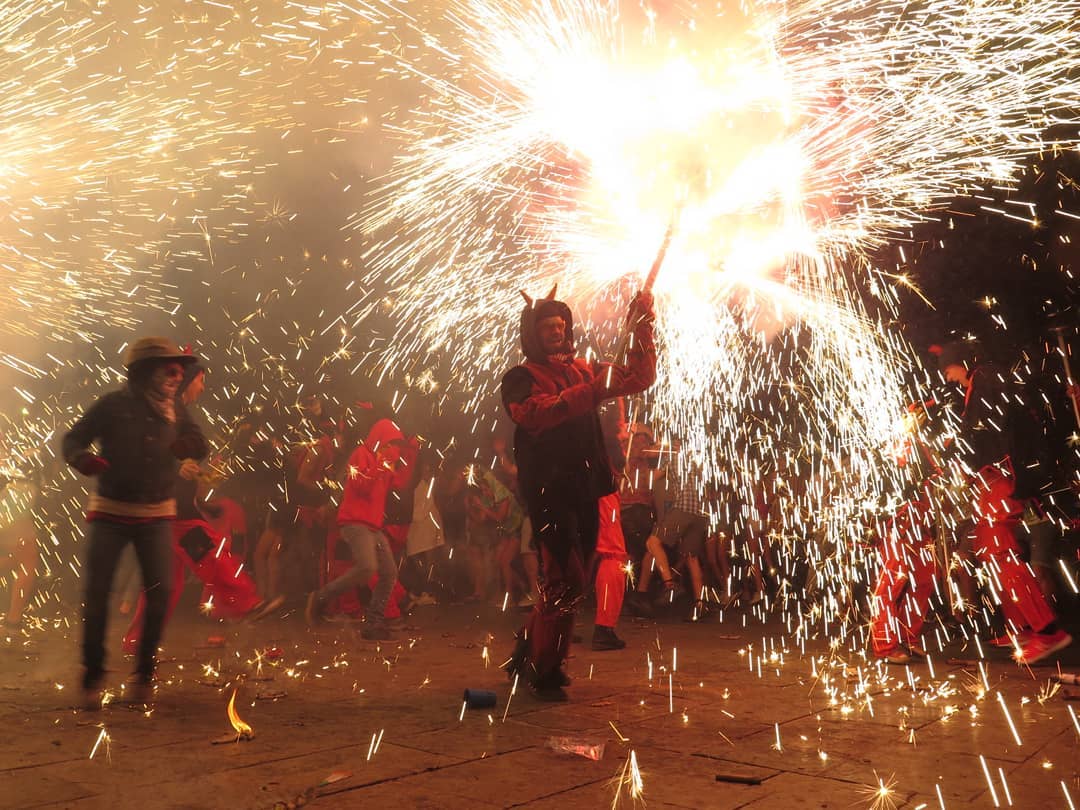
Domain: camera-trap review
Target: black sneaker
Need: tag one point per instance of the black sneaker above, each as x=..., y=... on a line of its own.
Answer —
x=559, y=678
x=139, y=690
x=555, y=679
x=93, y=692
x=92, y=697
x=265, y=608
x=698, y=613
x=604, y=638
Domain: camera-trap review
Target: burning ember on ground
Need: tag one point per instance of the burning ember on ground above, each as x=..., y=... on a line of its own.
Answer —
x=242, y=729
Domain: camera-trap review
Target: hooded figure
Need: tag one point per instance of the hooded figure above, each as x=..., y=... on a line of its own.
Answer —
x=559, y=445
x=378, y=465
x=1003, y=446
x=563, y=465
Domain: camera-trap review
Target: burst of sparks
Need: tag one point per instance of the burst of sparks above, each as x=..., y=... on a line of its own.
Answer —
x=883, y=794
x=629, y=779
x=103, y=737
x=556, y=138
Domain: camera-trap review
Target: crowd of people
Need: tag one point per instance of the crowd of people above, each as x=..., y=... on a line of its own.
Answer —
x=346, y=513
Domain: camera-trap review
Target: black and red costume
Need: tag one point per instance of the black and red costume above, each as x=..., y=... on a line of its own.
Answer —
x=996, y=430
x=564, y=471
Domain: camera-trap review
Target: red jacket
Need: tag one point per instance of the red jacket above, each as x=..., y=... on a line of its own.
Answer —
x=373, y=470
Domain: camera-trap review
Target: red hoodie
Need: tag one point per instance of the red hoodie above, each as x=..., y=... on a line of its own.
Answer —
x=372, y=472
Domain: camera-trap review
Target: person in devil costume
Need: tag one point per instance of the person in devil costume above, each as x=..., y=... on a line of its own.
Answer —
x=563, y=467
x=1002, y=439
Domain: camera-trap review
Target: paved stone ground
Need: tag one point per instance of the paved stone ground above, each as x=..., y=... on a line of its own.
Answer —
x=698, y=705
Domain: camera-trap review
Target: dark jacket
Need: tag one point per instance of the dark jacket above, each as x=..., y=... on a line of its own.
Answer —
x=143, y=450
x=558, y=441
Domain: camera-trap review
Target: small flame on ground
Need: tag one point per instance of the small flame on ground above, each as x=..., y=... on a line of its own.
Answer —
x=242, y=729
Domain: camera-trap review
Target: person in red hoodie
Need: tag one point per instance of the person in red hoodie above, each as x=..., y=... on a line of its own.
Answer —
x=373, y=470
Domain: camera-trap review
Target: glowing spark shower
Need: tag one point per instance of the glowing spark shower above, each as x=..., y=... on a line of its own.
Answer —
x=554, y=139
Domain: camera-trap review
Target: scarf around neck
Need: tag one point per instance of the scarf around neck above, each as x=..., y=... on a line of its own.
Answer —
x=162, y=403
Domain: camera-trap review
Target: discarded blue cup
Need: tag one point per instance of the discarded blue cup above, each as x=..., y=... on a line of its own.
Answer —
x=479, y=699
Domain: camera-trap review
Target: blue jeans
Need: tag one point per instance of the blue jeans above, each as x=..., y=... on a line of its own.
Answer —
x=106, y=541
x=372, y=554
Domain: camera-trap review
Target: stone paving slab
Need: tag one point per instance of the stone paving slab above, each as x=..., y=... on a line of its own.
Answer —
x=691, y=701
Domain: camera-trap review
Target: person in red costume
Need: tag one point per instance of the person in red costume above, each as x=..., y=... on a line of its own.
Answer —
x=908, y=565
x=228, y=590
x=997, y=433
x=904, y=584
x=563, y=467
x=142, y=431
x=373, y=470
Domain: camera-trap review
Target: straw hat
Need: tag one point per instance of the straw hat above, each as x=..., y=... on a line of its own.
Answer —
x=156, y=348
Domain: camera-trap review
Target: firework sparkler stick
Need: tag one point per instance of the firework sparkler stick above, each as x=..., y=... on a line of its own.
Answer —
x=650, y=280
x=1069, y=379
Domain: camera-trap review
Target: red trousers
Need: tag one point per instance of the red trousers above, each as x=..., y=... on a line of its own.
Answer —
x=1011, y=579
x=562, y=530
x=907, y=576
x=901, y=596
x=611, y=570
x=229, y=590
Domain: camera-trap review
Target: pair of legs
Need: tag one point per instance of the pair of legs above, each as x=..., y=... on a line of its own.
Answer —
x=1029, y=617
x=901, y=598
x=372, y=553
x=20, y=567
x=566, y=527
x=718, y=560
x=480, y=551
x=687, y=531
x=295, y=534
x=995, y=546
x=106, y=541
x=506, y=551
x=519, y=546
x=759, y=557
x=427, y=572
x=611, y=570
x=1041, y=536
x=267, y=557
